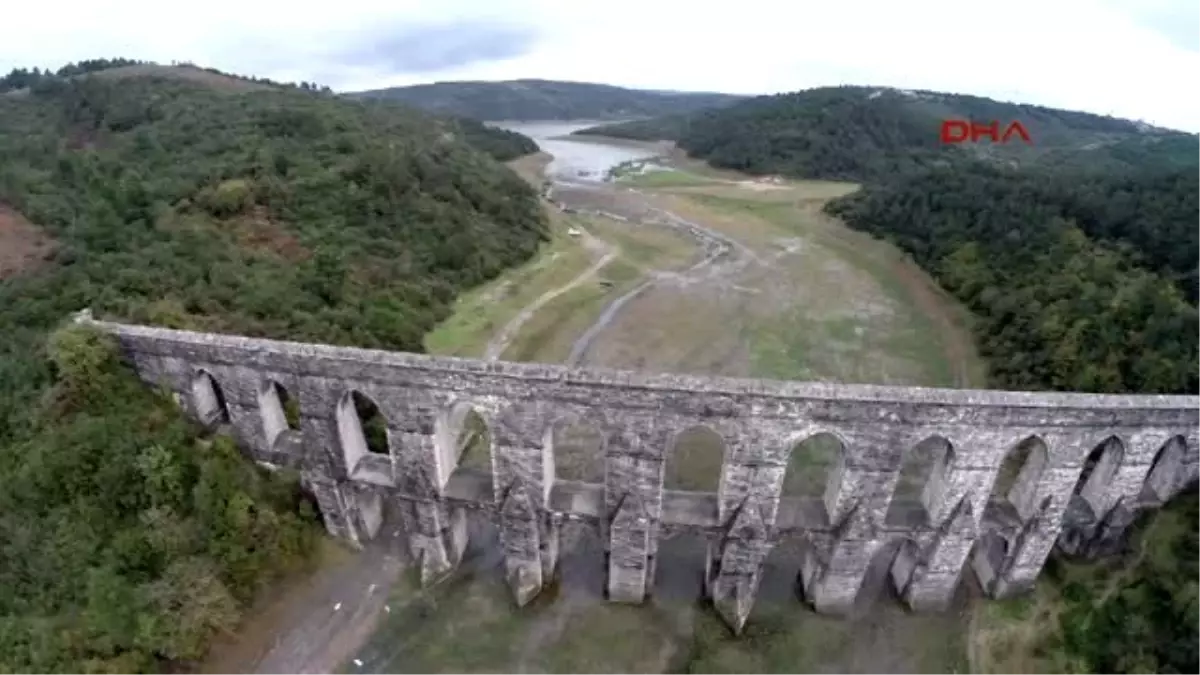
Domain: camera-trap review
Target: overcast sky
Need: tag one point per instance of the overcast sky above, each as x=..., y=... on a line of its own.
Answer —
x=1131, y=58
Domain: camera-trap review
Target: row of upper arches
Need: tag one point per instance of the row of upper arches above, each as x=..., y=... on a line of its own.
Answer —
x=697, y=454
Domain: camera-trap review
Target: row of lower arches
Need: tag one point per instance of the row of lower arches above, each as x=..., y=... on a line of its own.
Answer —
x=695, y=458
x=360, y=422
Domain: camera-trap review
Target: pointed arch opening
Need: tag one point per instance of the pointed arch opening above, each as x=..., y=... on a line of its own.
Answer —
x=208, y=400
x=783, y=571
x=474, y=443
x=1166, y=475
x=578, y=450
x=695, y=461
x=464, y=446
x=692, y=475
x=362, y=428
x=924, y=471
x=1099, y=469
x=813, y=477
x=278, y=410
x=1014, y=489
x=463, y=439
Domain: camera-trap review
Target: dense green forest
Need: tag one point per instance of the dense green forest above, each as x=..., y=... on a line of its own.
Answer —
x=501, y=144
x=22, y=78
x=546, y=100
x=872, y=134
x=269, y=211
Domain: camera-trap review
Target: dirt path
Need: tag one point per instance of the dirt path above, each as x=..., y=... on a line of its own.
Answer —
x=23, y=246
x=316, y=623
x=717, y=247
x=504, y=338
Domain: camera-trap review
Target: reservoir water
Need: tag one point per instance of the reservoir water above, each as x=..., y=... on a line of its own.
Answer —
x=576, y=159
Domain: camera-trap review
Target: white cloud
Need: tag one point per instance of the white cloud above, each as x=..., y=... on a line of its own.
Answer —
x=1120, y=57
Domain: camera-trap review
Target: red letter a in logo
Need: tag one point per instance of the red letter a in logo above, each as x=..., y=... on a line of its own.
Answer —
x=1018, y=129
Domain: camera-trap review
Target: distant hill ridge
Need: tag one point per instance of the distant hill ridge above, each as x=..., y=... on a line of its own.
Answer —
x=535, y=99
x=861, y=133
x=501, y=144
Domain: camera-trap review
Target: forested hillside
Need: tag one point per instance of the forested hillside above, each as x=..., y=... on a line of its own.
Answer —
x=1084, y=283
x=1078, y=284
x=268, y=211
x=865, y=133
x=1077, y=257
x=546, y=100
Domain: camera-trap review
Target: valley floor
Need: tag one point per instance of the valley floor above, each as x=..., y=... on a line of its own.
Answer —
x=686, y=270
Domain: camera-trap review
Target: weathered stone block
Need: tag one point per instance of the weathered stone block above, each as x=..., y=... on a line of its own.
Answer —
x=1154, y=439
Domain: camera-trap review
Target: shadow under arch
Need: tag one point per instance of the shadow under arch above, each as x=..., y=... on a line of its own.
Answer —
x=888, y=573
x=782, y=582
x=1166, y=475
x=695, y=460
x=278, y=410
x=812, y=479
x=362, y=428
x=577, y=445
x=924, y=470
x=208, y=400
x=692, y=480
x=1099, y=469
x=987, y=559
x=1014, y=489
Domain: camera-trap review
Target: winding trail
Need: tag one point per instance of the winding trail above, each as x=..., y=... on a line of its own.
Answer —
x=716, y=245
x=581, y=345
x=498, y=344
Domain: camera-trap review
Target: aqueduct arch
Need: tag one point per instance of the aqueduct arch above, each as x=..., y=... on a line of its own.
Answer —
x=952, y=527
x=208, y=400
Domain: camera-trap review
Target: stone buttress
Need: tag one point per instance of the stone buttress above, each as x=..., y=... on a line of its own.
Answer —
x=1092, y=464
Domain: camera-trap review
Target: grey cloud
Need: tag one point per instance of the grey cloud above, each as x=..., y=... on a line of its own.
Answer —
x=428, y=47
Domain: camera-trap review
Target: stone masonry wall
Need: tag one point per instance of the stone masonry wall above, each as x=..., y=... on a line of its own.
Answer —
x=1132, y=452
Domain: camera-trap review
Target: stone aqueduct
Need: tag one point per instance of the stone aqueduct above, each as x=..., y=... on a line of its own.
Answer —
x=1101, y=459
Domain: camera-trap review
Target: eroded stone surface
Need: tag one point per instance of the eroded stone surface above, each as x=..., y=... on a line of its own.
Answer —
x=1100, y=460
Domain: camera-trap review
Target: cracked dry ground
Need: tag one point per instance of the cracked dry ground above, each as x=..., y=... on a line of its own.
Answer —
x=796, y=297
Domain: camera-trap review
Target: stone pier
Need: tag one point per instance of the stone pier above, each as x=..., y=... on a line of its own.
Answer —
x=1091, y=463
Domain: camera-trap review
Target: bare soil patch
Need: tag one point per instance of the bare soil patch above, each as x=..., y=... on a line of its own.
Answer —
x=23, y=246
x=531, y=167
x=314, y=622
x=257, y=231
